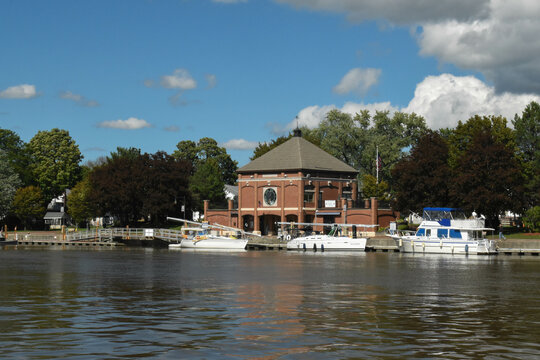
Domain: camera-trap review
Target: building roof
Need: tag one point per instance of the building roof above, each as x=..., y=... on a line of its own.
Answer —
x=297, y=154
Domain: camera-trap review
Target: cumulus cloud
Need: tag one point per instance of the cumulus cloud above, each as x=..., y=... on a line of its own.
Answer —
x=23, y=91
x=129, y=124
x=78, y=99
x=240, y=144
x=180, y=79
x=442, y=100
x=358, y=80
x=498, y=38
x=445, y=99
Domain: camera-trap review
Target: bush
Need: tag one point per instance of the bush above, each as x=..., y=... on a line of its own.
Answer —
x=532, y=219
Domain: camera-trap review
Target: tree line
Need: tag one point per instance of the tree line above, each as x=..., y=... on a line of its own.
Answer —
x=483, y=165
x=128, y=185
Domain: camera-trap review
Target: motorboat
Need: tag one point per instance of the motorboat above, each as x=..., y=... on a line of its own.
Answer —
x=334, y=240
x=201, y=237
x=446, y=231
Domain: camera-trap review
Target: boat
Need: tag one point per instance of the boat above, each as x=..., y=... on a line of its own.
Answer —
x=201, y=237
x=334, y=240
x=446, y=231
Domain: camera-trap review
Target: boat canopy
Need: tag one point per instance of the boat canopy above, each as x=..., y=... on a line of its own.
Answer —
x=440, y=213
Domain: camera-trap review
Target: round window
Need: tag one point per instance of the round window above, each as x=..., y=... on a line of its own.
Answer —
x=270, y=196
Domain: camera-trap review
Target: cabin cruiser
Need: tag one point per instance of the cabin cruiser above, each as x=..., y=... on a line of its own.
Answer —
x=201, y=237
x=446, y=231
x=334, y=240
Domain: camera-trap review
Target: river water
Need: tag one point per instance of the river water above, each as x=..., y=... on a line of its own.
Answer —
x=164, y=304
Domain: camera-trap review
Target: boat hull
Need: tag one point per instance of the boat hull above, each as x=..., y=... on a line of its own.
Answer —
x=214, y=243
x=437, y=246
x=321, y=242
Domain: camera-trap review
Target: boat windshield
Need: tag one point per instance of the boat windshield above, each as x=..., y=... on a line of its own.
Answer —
x=436, y=214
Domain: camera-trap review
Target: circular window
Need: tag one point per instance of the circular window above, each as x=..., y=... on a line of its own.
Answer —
x=270, y=196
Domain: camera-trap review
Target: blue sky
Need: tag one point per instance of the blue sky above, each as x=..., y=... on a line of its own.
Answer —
x=151, y=73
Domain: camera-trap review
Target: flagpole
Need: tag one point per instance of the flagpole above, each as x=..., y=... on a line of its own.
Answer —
x=377, y=163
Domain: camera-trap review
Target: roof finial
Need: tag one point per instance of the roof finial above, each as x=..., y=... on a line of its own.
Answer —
x=297, y=132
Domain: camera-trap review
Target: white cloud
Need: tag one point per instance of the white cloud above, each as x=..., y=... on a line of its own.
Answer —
x=442, y=100
x=79, y=99
x=358, y=80
x=172, y=128
x=129, y=124
x=23, y=91
x=180, y=79
x=498, y=38
x=445, y=99
x=240, y=144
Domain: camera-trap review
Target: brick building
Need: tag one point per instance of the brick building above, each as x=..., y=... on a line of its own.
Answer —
x=297, y=181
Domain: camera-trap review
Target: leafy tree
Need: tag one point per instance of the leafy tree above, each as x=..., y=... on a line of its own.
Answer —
x=9, y=182
x=204, y=150
x=372, y=188
x=132, y=153
x=55, y=159
x=17, y=154
x=29, y=204
x=421, y=178
x=141, y=187
x=527, y=131
x=79, y=206
x=461, y=137
x=207, y=184
x=531, y=219
x=166, y=186
x=488, y=178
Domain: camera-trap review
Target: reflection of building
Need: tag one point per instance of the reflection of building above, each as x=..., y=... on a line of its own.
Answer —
x=56, y=215
x=297, y=181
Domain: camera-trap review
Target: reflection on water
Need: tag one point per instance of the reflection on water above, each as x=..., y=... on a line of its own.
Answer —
x=164, y=304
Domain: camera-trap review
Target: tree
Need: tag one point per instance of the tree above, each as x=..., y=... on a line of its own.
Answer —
x=79, y=206
x=527, y=132
x=207, y=184
x=17, y=154
x=131, y=153
x=201, y=152
x=531, y=219
x=55, y=159
x=29, y=204
x=421, y=178
x=488, y=178
x=372, y=188
x=9, y=182
x=148, y=186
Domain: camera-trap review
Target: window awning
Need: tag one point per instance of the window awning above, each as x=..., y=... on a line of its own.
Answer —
x=334, y=213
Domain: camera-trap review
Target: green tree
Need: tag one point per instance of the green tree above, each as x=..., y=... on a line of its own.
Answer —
x=79, y=206
x=55, y=159
x=148, y=186
x=372, y=188
x=204, y=150
x=9, y=182
x=207, y=184
x=488, y=178
x=422, y=178
x=17, y=154
x=531, y=219
x=131, y=152
x=527, y=132
x=29, y=205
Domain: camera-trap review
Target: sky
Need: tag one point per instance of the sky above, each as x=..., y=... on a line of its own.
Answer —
x=151, y=73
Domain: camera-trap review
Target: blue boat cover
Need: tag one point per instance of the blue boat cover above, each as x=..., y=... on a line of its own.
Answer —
x=441, y=209
x=444, y=222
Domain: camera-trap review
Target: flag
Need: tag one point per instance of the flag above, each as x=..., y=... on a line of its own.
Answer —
x=379, y=162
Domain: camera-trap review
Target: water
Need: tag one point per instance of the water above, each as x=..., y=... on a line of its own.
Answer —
x=161, y=304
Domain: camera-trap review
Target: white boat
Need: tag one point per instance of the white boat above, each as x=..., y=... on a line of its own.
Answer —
x=200, y=237
x=331, y=241
x=447, y=231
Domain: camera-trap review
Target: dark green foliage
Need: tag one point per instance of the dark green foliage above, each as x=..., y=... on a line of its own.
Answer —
x=29, y=205
x=207, y=148
x=17, y=155
x=142, y=187
x=527, y=130
x=206, y=184
x=487, y=178
x=422, y=178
